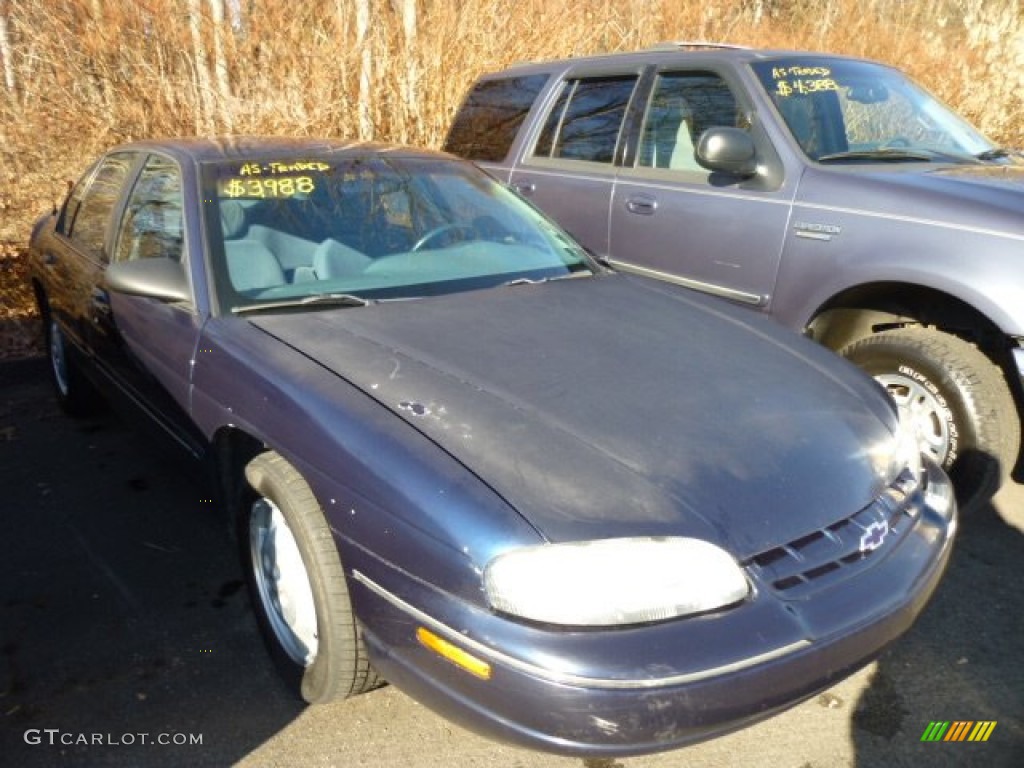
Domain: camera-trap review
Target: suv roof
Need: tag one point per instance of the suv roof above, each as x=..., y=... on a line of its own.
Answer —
x=691, y=49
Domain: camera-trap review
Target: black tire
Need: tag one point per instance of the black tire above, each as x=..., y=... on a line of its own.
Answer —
x=76, y=395
x=962, y=406
x=325, y=661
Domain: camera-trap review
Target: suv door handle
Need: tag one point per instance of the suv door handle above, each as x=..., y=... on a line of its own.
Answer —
x=525, y=189
x=642, y=205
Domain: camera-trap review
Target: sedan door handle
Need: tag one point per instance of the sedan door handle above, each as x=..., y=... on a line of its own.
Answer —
x=525, y=189
x=100, y=301
x=642, y=205
x=49, y=258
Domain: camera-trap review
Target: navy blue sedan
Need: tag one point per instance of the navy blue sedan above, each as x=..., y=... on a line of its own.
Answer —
x=569, y=508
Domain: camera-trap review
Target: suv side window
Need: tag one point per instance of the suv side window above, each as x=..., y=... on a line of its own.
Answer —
x=683, y=105
x=151, y=225
x=491, y=116
x=586, y=121
x=88, y=229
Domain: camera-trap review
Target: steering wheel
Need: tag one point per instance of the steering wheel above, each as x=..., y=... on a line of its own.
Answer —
x=436, y=232
x=897, y=142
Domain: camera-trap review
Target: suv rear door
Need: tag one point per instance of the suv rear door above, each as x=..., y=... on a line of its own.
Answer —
x=568, y=168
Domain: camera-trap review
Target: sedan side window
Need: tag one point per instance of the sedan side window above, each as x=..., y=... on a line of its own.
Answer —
x=88, y=229
x=152, y=223
x=586, y=121
x=684, y=105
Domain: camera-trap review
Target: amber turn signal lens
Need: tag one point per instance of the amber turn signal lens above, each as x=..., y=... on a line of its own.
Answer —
x=454, y=654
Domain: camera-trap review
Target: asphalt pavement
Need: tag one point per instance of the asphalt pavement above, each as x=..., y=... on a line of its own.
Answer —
x=126, y=637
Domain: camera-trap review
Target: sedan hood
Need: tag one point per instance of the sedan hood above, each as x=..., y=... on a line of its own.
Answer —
x=612, y=406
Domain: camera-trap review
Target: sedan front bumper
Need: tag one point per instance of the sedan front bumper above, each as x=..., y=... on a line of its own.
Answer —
x=644, y=689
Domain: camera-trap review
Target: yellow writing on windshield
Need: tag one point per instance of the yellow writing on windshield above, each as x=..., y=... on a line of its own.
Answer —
x=802, y=80
x=258, y=169
x=267, y=186
x=803, y=87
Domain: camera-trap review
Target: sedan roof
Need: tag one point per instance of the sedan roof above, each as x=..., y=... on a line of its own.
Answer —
x=214, y=148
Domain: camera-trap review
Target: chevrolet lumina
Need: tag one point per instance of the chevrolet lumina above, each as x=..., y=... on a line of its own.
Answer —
x=582, y=511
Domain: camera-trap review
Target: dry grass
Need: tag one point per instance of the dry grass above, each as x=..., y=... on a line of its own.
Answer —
x=90, y=73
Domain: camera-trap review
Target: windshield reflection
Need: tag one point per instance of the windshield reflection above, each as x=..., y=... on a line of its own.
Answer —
x=370, y=227
x=857, y=111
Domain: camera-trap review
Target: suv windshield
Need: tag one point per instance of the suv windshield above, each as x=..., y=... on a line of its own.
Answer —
x=856, y=111
x=288, y=231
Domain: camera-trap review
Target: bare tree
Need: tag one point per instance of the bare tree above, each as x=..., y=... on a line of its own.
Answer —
x=6, y=56
x=201, y=65
x=220, y=64
x=410, y=86
x=364, y=46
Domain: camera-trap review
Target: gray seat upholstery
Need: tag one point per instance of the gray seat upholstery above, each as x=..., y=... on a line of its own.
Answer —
x=668, y=138
x=232, y=219
x=334, y=259
x=251, y=265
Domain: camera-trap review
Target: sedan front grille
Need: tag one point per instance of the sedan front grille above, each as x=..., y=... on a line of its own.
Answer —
x=827, y=555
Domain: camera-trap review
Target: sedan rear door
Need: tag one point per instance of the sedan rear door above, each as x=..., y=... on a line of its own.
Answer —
x=76, y=254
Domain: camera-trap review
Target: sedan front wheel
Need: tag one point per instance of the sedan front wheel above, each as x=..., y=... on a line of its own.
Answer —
x=297, y=585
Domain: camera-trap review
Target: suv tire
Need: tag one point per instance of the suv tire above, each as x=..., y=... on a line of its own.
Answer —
x=959, y=402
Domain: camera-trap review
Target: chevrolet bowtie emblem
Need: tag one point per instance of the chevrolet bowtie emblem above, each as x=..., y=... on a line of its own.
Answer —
x=874, y=536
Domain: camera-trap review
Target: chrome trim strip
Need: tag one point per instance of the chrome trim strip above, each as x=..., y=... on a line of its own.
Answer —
x=567, y=678
x=804, y=205
x=1018, y=359
x=717, y=290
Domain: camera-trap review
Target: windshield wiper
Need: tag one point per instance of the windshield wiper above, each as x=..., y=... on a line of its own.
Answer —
x=538, y=280
x=886, y=155
x=318, y=300
x=998, y=153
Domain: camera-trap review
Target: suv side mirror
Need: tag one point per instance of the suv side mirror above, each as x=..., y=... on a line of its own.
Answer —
x=727, y=150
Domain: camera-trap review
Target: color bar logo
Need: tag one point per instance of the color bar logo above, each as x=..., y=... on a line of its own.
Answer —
x=958, y=730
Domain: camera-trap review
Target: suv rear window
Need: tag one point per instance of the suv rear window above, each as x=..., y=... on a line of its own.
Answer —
x=489, y=119
x=586, y=120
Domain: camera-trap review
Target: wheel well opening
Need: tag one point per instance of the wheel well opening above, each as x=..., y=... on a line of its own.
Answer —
x=867, y=309
x=233, y=448
x=864, y=310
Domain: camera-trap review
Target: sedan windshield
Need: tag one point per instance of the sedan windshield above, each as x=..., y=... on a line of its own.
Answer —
x=843, y=111
x=347, y=230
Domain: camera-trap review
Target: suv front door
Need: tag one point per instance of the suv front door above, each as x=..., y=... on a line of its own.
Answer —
x=672, y=219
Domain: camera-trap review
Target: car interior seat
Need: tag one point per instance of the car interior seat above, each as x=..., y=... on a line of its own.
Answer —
x=251, y=265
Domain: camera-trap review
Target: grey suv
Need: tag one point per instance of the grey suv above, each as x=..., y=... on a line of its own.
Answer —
x=832, y=193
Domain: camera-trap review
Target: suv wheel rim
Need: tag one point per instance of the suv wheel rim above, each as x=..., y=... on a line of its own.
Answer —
x=920, y=408
x=58, y=358
x=283, y=582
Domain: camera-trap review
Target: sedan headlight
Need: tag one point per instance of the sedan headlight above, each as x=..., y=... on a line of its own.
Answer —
x=899, y=453
x=611, y=582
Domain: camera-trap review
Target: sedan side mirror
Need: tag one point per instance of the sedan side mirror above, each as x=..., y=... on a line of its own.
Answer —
x=727, y=150
x=162, y=279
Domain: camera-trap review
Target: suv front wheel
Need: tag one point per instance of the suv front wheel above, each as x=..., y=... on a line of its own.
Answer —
x=956, y=399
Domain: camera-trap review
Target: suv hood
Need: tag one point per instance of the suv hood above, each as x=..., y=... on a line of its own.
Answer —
x=972, y=196
x=611, y=406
